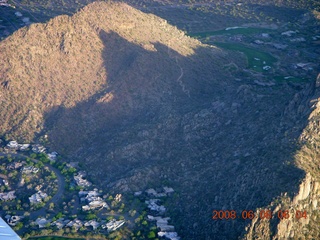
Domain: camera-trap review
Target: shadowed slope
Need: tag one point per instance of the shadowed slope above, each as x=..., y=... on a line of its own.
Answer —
x=140, y=104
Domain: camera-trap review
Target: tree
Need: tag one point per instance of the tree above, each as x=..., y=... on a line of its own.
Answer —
x=151, y=235
x=18, y=226
x=51, y=205
x=59, y=215
x=91, y=216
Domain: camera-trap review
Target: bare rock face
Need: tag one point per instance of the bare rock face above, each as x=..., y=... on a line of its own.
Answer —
x=304, y=190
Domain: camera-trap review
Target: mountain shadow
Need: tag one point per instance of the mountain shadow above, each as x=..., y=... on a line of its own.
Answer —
x=183, y=121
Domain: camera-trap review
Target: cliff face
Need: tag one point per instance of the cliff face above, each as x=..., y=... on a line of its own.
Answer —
x=303, y=208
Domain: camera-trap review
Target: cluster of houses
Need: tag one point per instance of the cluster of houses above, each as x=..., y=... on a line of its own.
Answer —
x=166, y=230
x=93, y=200
x=90, y=199
x=60, y=223
x=14, y=145
x=36, y=148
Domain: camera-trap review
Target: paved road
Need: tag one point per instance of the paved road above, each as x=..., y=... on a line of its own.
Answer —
x=61, y=185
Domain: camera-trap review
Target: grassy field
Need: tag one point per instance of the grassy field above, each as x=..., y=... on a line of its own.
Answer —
x=240, y=30
x=256, y=59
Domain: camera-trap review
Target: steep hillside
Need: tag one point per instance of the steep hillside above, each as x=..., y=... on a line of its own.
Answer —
x=140, y=104
x=306, y=201
x=63, y=62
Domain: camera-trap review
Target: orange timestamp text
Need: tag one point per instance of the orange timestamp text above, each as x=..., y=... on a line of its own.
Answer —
x=262, y=214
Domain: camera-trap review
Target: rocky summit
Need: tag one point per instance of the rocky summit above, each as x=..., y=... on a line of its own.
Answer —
x=140, y=104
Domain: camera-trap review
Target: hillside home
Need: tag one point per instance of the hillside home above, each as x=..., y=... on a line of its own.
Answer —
x=152, y=205
x=113, y=225
x=37, y=148
x=169, y=235
x=13, y=145
x=52, y=156
x=7, y=196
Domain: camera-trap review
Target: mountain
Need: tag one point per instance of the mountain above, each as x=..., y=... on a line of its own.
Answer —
x=298, y=226
x=141, y=104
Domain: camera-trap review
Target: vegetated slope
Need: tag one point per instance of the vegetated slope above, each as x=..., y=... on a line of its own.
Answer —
x=140, y=104
x=303, y=222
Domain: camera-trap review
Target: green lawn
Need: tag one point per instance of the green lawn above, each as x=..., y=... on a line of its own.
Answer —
x=290, y=79
x=245, y=31
x=256, y=59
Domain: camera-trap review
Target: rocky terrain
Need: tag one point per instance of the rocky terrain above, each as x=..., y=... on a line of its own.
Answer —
x=140, y=104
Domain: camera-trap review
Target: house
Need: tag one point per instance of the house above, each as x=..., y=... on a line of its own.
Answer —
x=93, y=199
x=52, y=156
x=113, y=225
x=13, y=145
x=93, y=223
x=38, y=197
x=42, y=222
x=266, y=68
x=60, y=223
x=37, y=148
x=80, y=181
x=304, y=66
x=137, y=193
x=29, y=169
x=153, y=192
x=24, y=147
x=76, y=223
x=288, y=33
x=13, y=220
x=299, y=39
x=14, y=165
x=7, y=196
x=166, y=230
x=169, y=235
x=152, y=205
x=168, y=190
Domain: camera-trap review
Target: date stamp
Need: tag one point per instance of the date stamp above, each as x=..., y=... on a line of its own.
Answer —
x=262, y=214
